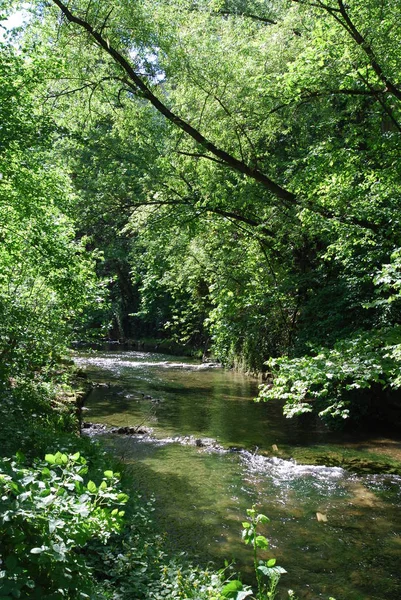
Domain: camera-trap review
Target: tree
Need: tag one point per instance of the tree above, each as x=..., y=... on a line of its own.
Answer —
x=275, y=128
x=46, y=279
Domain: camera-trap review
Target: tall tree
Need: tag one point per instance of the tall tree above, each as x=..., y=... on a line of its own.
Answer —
x=46, y=279
x=271, y=126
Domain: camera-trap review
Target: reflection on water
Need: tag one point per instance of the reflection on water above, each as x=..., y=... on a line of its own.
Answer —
x=202, y=495
x=187, y=398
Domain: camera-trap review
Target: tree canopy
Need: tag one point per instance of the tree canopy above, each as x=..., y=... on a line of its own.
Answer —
x=237, y=162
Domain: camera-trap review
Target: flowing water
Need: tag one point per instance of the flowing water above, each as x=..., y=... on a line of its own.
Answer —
x=204, y=464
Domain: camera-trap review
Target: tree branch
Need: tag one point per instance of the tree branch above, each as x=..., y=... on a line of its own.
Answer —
x=265, y=20
x=361, y=41
x=218, y=211
x=341, y=15
x=138, y=84
x=199, y=155
x=230, y=13
x=311, y=95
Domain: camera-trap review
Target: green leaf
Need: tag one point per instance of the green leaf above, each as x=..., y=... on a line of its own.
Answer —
x=261, y=542
x=271, y=571
x=230, y=590
x=38, y=550
x=58, y=458
x=20, y=457
x=50, y=458
x=91, y=486
x=262, y=519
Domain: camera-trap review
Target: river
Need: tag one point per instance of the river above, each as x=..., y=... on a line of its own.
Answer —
x=204, y=463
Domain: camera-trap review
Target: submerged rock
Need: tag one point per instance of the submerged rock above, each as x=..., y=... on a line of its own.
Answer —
x=87, y=425
x=136, y=430
x=235, y=448
x=93, y=428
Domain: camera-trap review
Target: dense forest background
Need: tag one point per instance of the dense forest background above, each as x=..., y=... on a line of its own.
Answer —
x=223, y=174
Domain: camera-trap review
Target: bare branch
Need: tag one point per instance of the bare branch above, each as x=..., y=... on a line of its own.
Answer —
x=198, y=155
x=228, y=13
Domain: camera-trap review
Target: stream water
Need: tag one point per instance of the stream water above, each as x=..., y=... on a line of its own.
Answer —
x=203, y=490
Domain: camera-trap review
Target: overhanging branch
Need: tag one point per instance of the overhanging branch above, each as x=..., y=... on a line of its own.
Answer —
x=139, y=85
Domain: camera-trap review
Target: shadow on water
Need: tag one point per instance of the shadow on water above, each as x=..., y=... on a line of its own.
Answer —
x=202, y=496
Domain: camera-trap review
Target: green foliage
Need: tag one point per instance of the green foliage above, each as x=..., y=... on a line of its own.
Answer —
x=49, y=514
x=47, y=279
x=263, y=569
x=327, y=380
x=135, y=563
x=267, y=572
x=182, y=581
x=241, y=176
x=33, y=416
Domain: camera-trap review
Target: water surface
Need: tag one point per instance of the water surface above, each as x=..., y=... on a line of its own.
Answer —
x=202, y=494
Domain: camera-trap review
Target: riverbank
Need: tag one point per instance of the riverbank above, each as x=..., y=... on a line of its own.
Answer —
x=144, y=344
x=62, y=523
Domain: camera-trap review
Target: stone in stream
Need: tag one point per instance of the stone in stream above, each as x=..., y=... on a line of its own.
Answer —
x=99, y=427
x=137, y=430
x=93, y=426
x=235, y=448
x=321, y=517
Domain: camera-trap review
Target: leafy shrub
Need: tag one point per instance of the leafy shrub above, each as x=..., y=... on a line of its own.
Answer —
x=324, y=382
x=49, y=512
x=266, y=571
x=180, y=581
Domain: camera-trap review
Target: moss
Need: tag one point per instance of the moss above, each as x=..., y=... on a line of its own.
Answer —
x=355, y=461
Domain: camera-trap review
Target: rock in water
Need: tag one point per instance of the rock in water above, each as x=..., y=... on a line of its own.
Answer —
x=321, y=517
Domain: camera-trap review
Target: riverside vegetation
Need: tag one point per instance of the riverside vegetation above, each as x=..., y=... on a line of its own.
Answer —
x=221, y=173
x=68, y=530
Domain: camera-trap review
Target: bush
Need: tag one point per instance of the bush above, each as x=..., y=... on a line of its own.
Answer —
x=134, y=564
x=327, y=382
x=49, y=512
